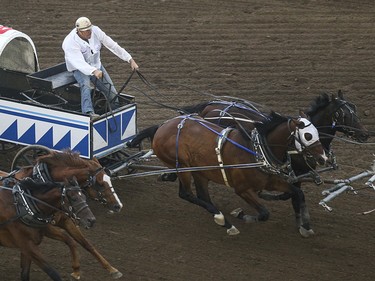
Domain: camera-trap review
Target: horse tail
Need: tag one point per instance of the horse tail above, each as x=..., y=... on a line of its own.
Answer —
x=144, y=134
x=198, y=108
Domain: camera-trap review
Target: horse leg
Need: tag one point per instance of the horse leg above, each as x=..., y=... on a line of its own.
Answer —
x=60, y=235
x=32, y=253
x=77, y=235
x=203, y=199
x=274, y=197
x=25, y=267
x=301, y=212
x=268, y=196
x=251, y=198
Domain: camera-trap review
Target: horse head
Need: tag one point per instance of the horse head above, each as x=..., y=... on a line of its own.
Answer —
x=346, y=120
x=99, y=186
x=331, y=114
x=306, y=141
x=297, y=133
x=89, y=173
x=74, y=201
x=42, y=199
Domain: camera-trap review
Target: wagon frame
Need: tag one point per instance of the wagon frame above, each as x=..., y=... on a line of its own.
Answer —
x=40, y=109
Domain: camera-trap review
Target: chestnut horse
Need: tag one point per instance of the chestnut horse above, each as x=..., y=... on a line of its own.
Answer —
x=91, y=176
x=36, y=204
x=248, y=165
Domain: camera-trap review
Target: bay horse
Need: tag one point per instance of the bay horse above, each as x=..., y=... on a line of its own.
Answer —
x=91, y=176
x=328, y=114
x=188, y=142
x=27, y=206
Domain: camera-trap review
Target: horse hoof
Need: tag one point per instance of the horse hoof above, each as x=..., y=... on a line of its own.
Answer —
x=306, y=233
x=219, y=219
x=237, y=212
x=233, y=231
x=249, y=219
x=116, y=275
x=75, y=276
x=168, y=177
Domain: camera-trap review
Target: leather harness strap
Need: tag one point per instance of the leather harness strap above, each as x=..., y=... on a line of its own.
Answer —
x=220, y=142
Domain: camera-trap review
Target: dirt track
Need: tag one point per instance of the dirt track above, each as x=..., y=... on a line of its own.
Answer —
x=281, y=54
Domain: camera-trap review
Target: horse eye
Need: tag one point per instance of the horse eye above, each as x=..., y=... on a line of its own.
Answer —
x=308, y=136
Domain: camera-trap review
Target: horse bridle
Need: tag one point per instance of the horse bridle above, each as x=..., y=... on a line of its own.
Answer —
x=91, y=182
x=338, y=118
x=73, y=209
x=304, y=151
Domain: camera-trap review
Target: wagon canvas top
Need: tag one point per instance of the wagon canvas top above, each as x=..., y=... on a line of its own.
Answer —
x=17, y=51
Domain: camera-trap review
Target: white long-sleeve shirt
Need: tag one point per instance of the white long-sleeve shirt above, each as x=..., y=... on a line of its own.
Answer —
x=85, y=56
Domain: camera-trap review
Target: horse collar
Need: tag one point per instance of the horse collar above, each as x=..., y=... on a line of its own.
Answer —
x=41, y=172
x=27, y=210
x=272, y=164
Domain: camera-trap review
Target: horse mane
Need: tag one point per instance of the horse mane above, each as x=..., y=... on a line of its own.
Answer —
x=67, y=158
x=36, y=187
x=194, y=108
x=275, y=119
x=320, y=102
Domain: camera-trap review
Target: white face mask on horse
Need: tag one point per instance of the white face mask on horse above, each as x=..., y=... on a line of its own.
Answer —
x=306, y=136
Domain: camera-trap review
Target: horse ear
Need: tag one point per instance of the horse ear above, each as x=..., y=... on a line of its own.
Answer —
x=340, y=94
x=72, y=181
x=302, y=114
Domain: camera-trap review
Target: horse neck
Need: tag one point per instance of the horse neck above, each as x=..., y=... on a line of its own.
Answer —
x=278, y=140
x=61, y=173
x=24, y=172
x=52, y=198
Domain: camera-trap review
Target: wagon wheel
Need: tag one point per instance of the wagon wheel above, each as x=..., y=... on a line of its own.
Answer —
x=27, y=155
x=6, y=147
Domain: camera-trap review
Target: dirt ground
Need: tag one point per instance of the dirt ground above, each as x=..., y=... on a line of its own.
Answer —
x=280, y=53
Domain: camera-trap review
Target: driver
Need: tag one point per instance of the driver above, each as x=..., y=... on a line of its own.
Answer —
x=82, y=56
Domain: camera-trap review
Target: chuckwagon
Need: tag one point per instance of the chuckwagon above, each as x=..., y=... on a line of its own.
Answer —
x=40, y=111
x=41, y=108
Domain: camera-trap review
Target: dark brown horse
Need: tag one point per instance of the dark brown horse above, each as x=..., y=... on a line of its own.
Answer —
x=248, y=165
x=93, y=179
x=27, y=206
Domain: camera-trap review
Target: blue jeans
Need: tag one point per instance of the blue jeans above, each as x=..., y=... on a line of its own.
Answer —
x=104, y=85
